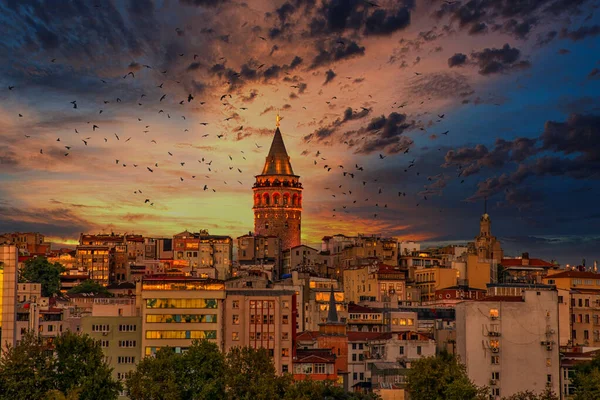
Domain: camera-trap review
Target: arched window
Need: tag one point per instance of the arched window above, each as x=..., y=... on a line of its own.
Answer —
x=276, y=197
x=295, y=199
x=257, y=200
x=286, y=224
x=266, y=199
x=286, y=199
x=266, y=225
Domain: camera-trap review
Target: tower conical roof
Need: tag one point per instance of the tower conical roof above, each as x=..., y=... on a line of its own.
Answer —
x=278, y=161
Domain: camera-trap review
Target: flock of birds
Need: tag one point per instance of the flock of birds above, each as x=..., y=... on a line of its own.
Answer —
x=361, y=191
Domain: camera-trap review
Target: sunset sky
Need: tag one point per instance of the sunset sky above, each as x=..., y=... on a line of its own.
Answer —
x=491, y=98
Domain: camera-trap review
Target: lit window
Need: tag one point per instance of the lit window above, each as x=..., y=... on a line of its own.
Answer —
x=235, y=336
x=236, y=319
x=235, y=304
x=494, y=313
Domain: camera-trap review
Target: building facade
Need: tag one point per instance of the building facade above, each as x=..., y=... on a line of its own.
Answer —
x=194, y=252
x=262, y=318
x=177, y=310
x=278, y=197
x=510, y=343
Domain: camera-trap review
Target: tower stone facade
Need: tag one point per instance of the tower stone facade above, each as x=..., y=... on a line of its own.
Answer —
x=278, y=197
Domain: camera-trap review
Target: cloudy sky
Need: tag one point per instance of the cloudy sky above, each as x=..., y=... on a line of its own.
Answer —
x=429, y=106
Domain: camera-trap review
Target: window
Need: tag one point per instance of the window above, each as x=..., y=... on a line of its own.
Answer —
x=127, y=343
x=496, y=392
x=496, y=375
x=495, y=360
x=418, y=350
x=587, y=302
x=548, y=362
x=586, y=334
x=401, y=350
x=354, y=357
x=235, y=304
x=362, y=376
x=319, y=368
x=235, y=336
x=355, y=376
x=580, y=318
x=285, y=352
x=181, y=303
x=285, y=304
x=353, y=346
x=181, y=334
x=587, y=318
x=104, y=343
x=580, y=302
x=560, y=298
x=271, y=353
x=285, y=319
x=285, y=336
x=574, y=334
x=125, y=360
x=284, y=368
x=549, y=378
x=360, y=346
x=494, y=313
x=235, y=319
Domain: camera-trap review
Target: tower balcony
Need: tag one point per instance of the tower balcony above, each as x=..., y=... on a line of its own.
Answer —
x=277, y=183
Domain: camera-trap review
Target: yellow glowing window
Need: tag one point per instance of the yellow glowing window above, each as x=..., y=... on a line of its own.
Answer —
x=494, y=344
x=494, y=313
x=181, y=334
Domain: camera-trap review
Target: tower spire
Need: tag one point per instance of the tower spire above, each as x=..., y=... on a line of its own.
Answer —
x=332, y=315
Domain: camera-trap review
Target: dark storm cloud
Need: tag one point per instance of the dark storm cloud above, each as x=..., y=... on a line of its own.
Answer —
x=329, y=76
x=545, y=38
x=457, y=60
x=516, y=18
x=492, y=60
x=337, y=16
x=574, y=148
x=203, y=3
x=336, y=52
x=473, y=159
x=56, y=221
x=327, y=131
x=385, y=134
x=250, y=72
x=581, y=33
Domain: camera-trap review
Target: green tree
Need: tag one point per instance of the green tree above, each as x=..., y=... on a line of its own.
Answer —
x=547, y=394
x=587, y=385
x=74, y=368
x=155, y=378
x=441, y=377
x=201, y=372
x=196, y=374
x=319, y=390
x=251, y=375
x=40, y=270
x=80, y=364
x=26, y=370
x=89, y=286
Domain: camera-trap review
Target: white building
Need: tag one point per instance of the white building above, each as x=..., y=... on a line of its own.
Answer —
x=510, y=344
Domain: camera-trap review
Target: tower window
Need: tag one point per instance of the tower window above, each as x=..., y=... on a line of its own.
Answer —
x=286, y=224
x=266, y=225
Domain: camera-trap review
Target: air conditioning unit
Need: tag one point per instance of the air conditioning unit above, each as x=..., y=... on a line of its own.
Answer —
x=495, y=349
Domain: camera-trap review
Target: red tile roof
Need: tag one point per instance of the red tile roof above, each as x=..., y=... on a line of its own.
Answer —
x=307, y=335
x=519, y=262
x=574, y=274
x=314, y=355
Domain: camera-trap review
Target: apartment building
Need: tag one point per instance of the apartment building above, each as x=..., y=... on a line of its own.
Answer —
x=510, y=343
x=262, y=318
x=176, y=310
x=203, y=250
x=374, y=282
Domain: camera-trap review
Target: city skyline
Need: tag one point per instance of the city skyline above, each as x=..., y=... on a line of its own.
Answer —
x=424, y=77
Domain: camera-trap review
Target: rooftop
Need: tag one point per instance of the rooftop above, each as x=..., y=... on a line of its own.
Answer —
x=278, y=161
x=574, y=274
x=525, y=262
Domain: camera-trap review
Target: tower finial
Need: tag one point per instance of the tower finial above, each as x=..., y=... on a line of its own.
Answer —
x=277, y=119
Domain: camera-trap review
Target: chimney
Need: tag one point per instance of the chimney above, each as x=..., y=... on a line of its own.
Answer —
x=525, y=256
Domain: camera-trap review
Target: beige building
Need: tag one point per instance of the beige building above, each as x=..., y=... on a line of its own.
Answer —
x=374, y=282
x=9, y=259
x=120, y=337
x=262, y=318
x=203, y=250
x=428, y=280
x=176, y=310
x=259, y=250
x=510, y=344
